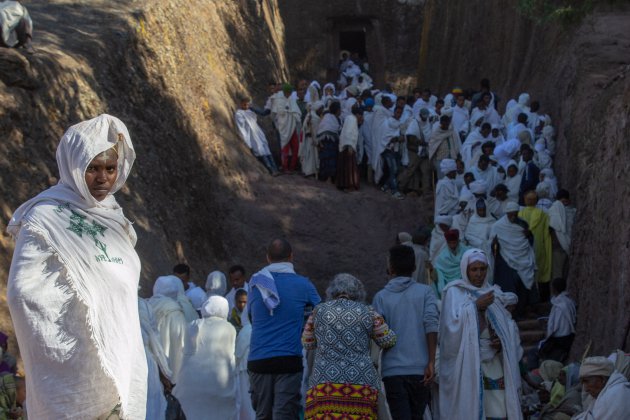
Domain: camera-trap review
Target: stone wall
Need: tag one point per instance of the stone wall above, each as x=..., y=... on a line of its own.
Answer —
x=392, y=34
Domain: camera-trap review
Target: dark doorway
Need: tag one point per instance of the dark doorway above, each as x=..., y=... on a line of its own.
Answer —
x=353, y=41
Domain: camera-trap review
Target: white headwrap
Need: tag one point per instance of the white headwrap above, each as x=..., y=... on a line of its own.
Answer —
x=512, y=206
x=596, y=366
x=478, y=187
x=215, y=306
x=523, y=99
x=168, y=286
x=197, y=296
x=471, y=256
x=216, y=284
x=448, y=165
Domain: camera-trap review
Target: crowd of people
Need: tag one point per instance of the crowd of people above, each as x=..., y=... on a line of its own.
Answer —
x=439, y=340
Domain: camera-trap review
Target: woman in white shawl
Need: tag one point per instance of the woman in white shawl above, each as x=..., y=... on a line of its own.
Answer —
x=170, y=320
x=73, y=284
x=479, y=347
x=309, y=155
x=206, y=387
x=512, y=180
x=477, y=234
x=216, y=284
x=156, y=361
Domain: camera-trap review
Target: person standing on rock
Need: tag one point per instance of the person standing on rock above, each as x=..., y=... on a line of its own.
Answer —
x=73, y=284
x=278, y=300
x=446, y=192
x=253, y=136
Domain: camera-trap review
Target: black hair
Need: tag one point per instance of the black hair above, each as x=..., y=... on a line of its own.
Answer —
x=444, y=119
x=402, y=260
x=236, y=268
x=484, y=158
x=559, y=284
x=387, y=99
x=486, y=125
x=279, y=250
x=334, y=107
x=488, y=144
x=485, y=83
x=562, y=193
x=357, y=110
x=439, y=101
x=239, y=293
x=522, y=117
x=181, y=269
x=501, y=187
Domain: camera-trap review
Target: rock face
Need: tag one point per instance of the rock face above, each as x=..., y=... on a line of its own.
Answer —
x=387, y=30
x=580, y=74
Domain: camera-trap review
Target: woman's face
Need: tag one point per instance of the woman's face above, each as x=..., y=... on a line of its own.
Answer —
x=512, y=170
x=101, y=174
x=476, y=273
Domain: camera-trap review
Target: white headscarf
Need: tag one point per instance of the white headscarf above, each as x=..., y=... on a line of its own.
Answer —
x=216, y=284
x=167, y=286
x=215, y=306
x=72, y=222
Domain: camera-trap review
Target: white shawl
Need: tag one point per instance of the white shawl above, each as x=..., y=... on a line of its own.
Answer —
x=251, y=133
x=206, y=383
x=287, y=116
x=11, y=13
x=171, y=324
x=461, y=390
x=558, y=222
x=438, y=136
x=349, y=133
x=446, y=197
x=94, y=243
x=477, y=235
x=515, y=249
x=471, y=149
x=380, y=115
x=156, y=361
x=612, y=403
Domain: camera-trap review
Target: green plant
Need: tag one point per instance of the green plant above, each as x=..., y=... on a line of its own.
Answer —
x=565, y=12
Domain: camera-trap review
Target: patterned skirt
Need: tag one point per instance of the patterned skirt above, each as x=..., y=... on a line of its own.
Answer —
x=328, y=153
x=331, y=401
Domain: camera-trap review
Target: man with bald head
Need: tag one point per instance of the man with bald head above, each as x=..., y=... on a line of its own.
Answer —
x=278, y=301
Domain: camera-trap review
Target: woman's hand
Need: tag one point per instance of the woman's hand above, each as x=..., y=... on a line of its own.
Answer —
x=485, y=300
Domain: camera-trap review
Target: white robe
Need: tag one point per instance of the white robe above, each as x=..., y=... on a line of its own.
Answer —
x=287, y=117
x=461, y=119
x=559, y=223
x=244, y=401
x=612, y=403
x=309, y=156
x=515, y=249
x=171, y=324
x=477, y=235
x=349, y=136
x=11, y=12
x=562, y=317
x=461, y=396
x=471, y=149
x=206, y=386
x=490, y=176
x=446, y=197
x=366, y=135
x=72, y=288
x=380, y=115
x=156, y=360
x=251, y=133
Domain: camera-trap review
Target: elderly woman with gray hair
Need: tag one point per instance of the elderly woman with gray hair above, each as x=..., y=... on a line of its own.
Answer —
x=344, y=381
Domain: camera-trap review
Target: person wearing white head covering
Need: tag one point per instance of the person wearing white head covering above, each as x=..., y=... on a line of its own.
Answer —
x=471, y=149
x=328, y=95
x=609, y=388
x=446, y=192
x=477, y=234
x=16, y=26
x=206, y=386
x=170, y=320
x=512, y=180
x=190, y=312
x=216, y=284
x=542, y=158
x=547, y=135
x=479, y=347
x=156, y=360
x=442, y=224
x=547, y=175
x=486, y=172
x=73, y=284
x=312, y=93
x=308, y=153
x=197, y=297
x=515, y=265
x=253, y=135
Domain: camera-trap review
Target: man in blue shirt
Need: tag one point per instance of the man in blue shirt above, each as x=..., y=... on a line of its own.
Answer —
x=278, y=301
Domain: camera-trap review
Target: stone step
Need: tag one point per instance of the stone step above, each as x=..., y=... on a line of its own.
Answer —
x=531, y=336
x=529, y=324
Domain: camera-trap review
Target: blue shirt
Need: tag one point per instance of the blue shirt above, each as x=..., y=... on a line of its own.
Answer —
x=280, y=334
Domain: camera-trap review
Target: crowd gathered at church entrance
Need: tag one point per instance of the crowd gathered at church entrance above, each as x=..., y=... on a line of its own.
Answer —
x=439, y=340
